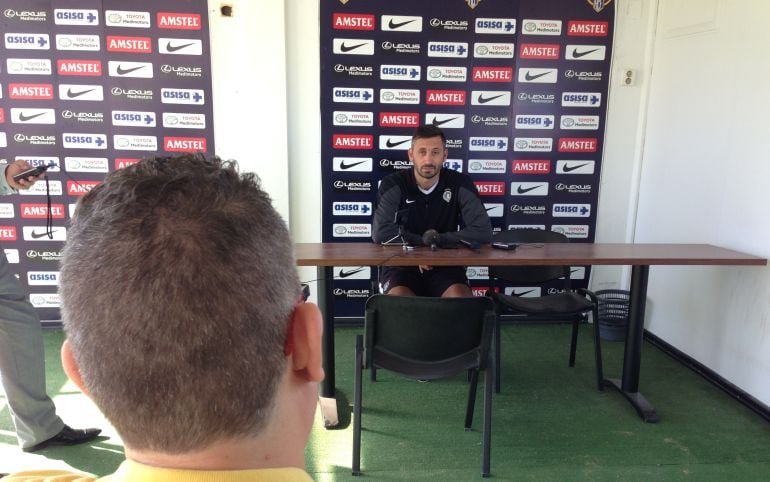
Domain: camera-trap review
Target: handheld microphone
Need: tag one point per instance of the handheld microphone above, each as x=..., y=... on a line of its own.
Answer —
x=430, y=238
x=35, y=171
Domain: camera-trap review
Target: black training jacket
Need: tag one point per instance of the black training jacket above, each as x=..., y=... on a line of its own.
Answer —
x=453, y=208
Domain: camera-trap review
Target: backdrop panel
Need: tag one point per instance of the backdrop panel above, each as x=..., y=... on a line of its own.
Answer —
x=519, y=87
x=92, y=86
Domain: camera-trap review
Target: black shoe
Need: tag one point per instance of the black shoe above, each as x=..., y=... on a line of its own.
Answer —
x=67, y=436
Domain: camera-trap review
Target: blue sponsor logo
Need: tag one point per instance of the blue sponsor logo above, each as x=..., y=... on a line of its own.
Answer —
x=352, y=94
x=453, y=165
x=21, y=39
x=447, y=48
x=181, y=94
x=75, y=15
x=77, y=139
x=495, y=24
x=533, y=121
x=577, y=209
x=351, y=208
x=395, y=70
x=495, y=143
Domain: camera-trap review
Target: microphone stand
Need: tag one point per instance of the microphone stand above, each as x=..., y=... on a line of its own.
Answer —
x=400, y=218
x=399, y=236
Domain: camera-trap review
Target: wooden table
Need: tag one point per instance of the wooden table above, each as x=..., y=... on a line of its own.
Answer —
x=639, y=256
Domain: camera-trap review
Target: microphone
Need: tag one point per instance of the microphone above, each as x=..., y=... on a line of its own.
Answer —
x=430, y=238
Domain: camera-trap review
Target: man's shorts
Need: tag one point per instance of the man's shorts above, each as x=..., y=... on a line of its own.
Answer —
x=432, y=282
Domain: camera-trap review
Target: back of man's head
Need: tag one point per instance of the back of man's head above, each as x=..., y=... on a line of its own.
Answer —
x=177, y=286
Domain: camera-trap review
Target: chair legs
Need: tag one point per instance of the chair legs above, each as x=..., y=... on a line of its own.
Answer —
x=573, y=342
x=598, y=351
x=474, y=373
x=357, y=405
x=496, y=351
x=487, y=435
x=572, y=350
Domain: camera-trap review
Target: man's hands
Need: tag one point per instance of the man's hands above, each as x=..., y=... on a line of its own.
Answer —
x=16, y=167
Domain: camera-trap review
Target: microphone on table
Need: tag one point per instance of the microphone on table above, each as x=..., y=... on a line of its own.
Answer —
x=431, y=238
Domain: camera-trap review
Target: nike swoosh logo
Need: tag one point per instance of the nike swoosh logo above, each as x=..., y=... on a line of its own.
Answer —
x=25, y=118
x=522, y=190
x=36, y=235
x=437, y=122
x=174, y=48
x=72, y=94
x=572, y=168
x=522, y=293
x=395, y=25
x=484, y=100
x=577, y=54
x=389, y=143
x=489, y=209
x=529, y=76
x=352, y=164
x=410, y=201
x=348, y=48
x=122, y=71
x=345, y=274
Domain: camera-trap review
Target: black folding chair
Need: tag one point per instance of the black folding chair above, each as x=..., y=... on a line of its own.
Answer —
x=568, y=305
x=427, y=339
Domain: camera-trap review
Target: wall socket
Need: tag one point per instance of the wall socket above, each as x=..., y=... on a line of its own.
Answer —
x=628, y=77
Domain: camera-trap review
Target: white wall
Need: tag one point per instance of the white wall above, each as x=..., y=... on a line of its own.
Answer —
x=249, y=81
x=704, y=179
x=683, y=146
x=624, y=139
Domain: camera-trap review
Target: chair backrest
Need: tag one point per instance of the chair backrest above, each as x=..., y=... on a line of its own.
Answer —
x=529, y=274
x=423, y=331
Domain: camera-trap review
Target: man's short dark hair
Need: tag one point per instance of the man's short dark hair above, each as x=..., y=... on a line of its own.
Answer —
x=177, y=284
x=428, y=131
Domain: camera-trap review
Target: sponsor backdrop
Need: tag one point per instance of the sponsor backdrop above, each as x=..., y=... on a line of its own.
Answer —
x=519, y=87
x=92, y=86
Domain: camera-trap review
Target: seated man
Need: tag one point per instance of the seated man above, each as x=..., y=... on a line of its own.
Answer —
x=185, y=324
x=436, y=201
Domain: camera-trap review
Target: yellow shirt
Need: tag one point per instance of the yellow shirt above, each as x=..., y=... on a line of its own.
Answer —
x=130, y=471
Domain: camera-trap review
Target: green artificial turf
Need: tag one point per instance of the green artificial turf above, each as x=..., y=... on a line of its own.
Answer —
x=548, y=423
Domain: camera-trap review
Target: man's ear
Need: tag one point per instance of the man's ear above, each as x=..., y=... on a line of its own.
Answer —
x=306, y=331
x=71, y=366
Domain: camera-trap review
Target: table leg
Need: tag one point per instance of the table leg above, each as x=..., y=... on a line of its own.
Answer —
x=328, y=402
x=632, y=357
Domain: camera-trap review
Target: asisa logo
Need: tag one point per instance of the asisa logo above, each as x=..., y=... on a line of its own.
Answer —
x=75, y=16
x=182, y=96
x=488, y=144
x=352, y=208
x=84, y=141
x=505, y=26
x=353, y=95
